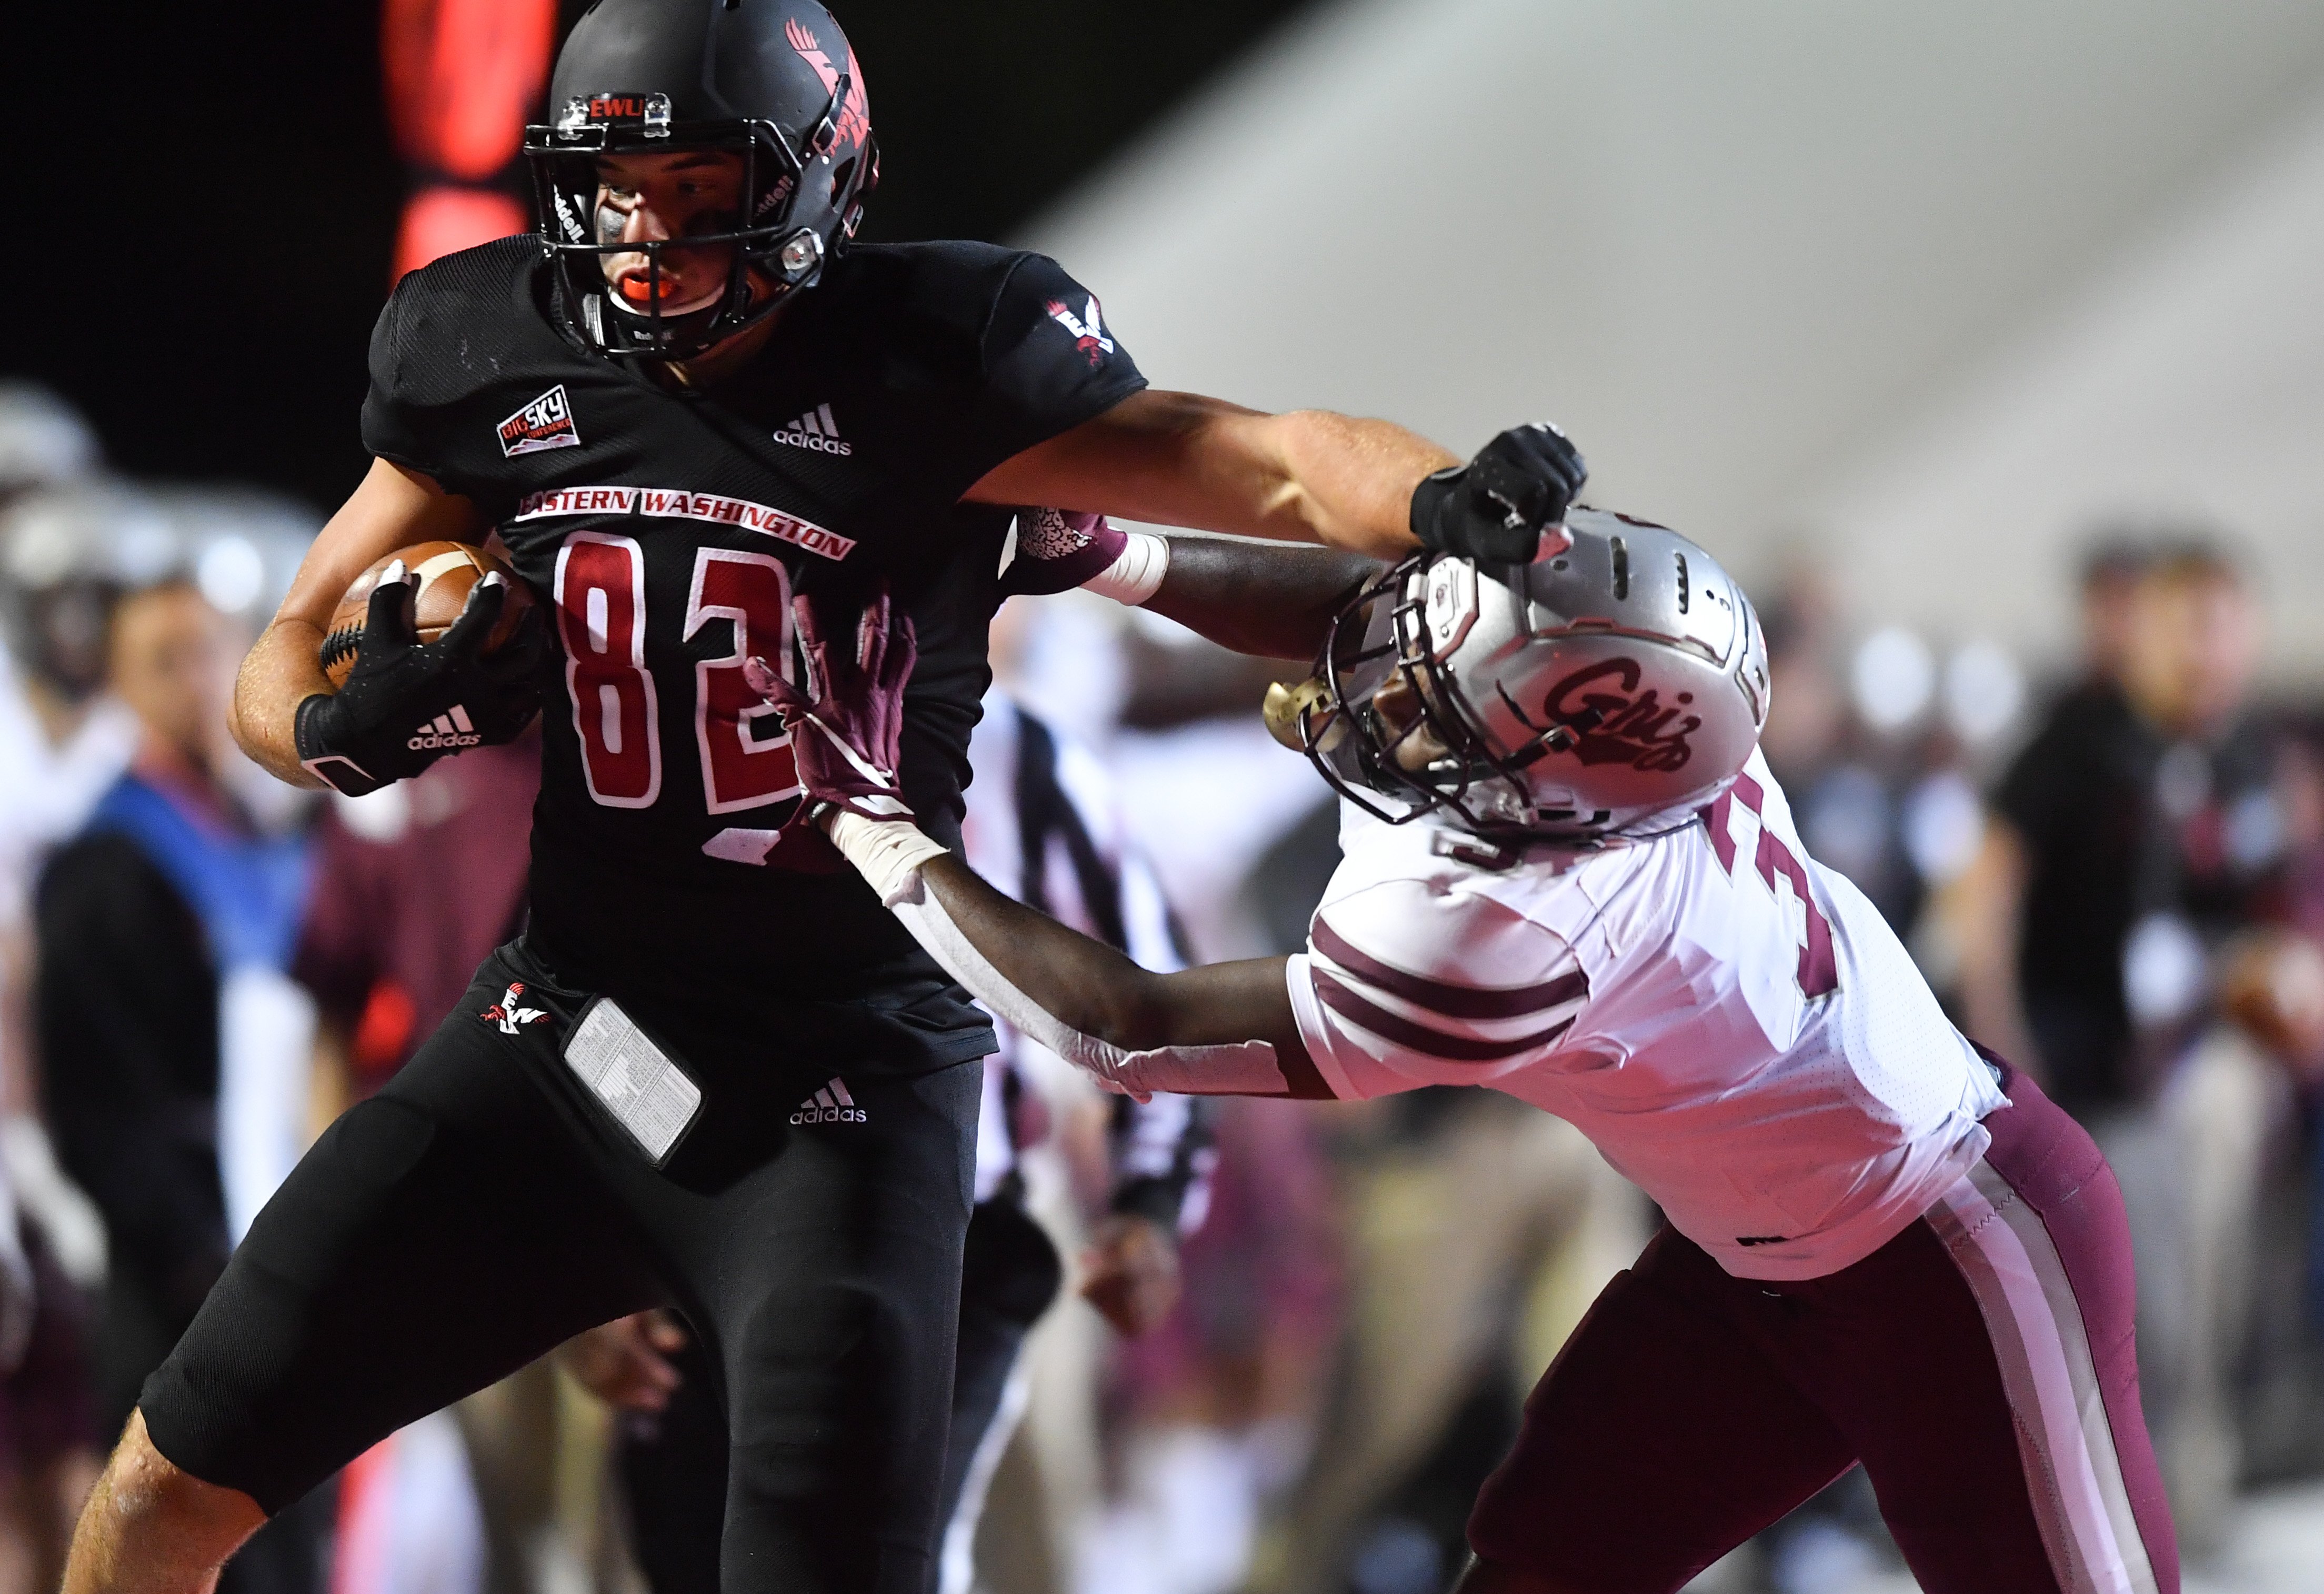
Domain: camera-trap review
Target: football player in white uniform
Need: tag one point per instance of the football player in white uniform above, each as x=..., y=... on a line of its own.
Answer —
x=1569, y=877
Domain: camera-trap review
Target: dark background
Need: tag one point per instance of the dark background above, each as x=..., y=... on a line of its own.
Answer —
x=215, y=198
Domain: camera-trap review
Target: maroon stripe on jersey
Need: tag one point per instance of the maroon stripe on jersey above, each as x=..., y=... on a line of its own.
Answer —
x=1418, y=1037
x=1453, y=1001
x=1714, y=820
x=1714, y=824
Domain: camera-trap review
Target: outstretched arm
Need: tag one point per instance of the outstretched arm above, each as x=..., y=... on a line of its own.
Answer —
x=1090, y=989
x=1369, y=486
x=1223, y=1030
x=1275, y=601
x=1265, y=598
x=1178, y=458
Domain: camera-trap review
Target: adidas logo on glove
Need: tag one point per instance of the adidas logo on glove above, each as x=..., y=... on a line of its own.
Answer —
x=451, y=730
x=830, y=1105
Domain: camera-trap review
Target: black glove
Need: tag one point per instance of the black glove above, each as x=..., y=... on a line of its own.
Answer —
x=406, y=703
x=1497, y=506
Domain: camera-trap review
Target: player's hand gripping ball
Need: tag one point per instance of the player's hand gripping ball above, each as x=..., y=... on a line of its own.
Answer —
x=846, y=714
x=433, y=649
x=443, y=575
x=1502, y=506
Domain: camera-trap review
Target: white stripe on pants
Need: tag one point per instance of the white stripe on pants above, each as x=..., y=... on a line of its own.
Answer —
x=2005, y=1254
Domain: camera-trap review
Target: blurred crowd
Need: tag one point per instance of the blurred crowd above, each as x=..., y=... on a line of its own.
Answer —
x=2115, y=876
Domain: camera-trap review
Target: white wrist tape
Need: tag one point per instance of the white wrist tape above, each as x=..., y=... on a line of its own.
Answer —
x=1247, y=1069
x=888, y=853
x=1135, y=574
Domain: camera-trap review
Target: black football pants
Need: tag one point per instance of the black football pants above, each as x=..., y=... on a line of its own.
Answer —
x=673, y=1463
x=482, y=1209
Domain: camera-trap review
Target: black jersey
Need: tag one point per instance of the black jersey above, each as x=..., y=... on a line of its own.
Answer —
x=667, y=531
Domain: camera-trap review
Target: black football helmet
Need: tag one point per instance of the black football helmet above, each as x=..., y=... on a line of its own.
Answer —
x=774, y=81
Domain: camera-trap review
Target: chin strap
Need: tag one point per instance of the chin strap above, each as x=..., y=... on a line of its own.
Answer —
x=889, y=854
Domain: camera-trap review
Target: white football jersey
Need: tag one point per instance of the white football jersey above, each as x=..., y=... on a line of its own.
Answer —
x=1736, y=1027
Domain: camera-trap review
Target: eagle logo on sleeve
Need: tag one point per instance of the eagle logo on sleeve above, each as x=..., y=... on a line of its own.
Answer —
x=1087, y=327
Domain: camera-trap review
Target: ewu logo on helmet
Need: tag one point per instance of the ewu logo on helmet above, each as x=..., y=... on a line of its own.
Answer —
x=650, y=110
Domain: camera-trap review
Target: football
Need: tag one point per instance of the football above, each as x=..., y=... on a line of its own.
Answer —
x=446, y=571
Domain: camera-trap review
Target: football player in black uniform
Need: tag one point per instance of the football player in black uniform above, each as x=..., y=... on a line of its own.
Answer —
x=687, y=399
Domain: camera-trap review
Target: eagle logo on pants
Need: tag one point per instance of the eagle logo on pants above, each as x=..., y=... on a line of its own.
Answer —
x=509, y=1014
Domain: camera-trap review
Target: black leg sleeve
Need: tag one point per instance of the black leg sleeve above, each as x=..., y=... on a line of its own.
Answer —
x=436, y=1238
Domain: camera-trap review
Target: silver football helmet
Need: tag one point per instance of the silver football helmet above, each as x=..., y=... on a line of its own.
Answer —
x=1608, y=690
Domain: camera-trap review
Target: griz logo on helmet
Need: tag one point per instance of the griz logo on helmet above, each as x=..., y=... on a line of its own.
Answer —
x=1611, y=726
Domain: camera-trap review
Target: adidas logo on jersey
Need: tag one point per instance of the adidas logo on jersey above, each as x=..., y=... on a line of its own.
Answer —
x=816, y=431
x=450, y=730
x=830, y=1105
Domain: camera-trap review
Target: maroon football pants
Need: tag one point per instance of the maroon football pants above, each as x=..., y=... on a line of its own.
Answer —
x=1980, y=1366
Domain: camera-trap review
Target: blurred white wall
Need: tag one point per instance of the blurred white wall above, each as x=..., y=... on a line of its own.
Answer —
x=1933, y=285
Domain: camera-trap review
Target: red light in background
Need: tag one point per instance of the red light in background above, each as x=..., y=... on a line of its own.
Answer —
x=438, y=221
x=463, y=76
